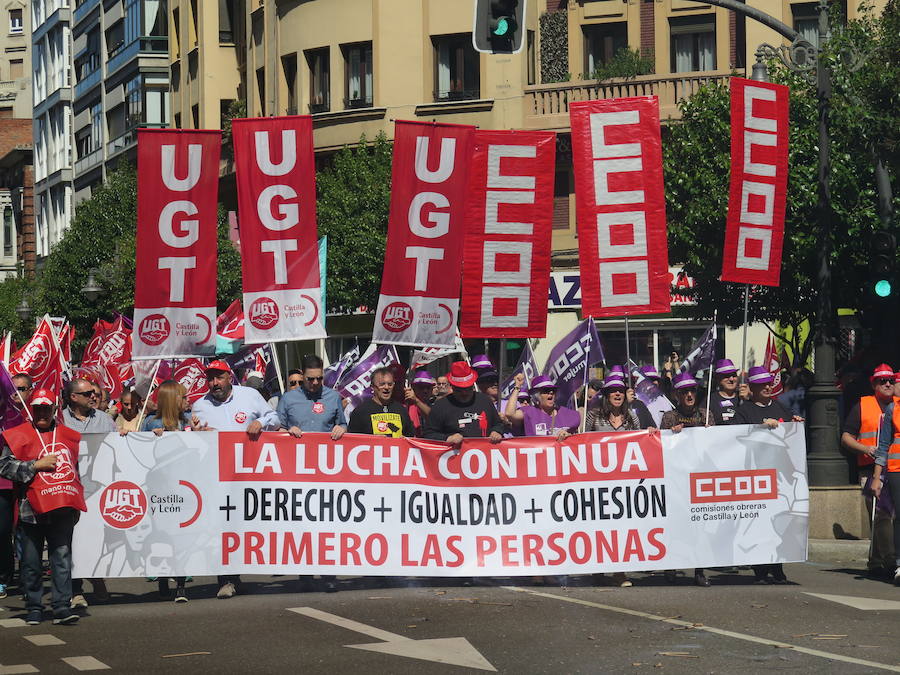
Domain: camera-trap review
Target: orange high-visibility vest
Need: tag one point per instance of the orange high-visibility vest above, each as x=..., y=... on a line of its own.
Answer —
x=893, y=458
x=869, y=424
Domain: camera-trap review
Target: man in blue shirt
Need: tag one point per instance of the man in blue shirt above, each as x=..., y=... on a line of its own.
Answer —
x=312, y=406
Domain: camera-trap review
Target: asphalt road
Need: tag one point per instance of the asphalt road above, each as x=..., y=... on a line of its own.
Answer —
x=511, y=625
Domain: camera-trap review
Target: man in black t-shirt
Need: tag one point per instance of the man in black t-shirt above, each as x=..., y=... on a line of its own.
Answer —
x=465, y=413
x=724, y=401
x=381, y=415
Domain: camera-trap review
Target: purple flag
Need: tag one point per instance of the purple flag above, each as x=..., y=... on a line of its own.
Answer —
x=526, y=365
x=570, y=358
x=356, y=381
x=704, y=353
x=334, y=371
x=9, y=413
x=650, y=395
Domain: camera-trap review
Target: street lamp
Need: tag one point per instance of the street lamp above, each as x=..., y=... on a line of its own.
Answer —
x=23, y=310
x=91, y=289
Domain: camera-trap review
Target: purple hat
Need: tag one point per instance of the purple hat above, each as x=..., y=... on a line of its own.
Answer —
x=617, y=369
x=423, y=377
x=759, y=375
x=613, y=380
x=683, y=381
x=650, y=372
x=541, y=382
x=482, y=362
x=523, y=396
x=725, y=367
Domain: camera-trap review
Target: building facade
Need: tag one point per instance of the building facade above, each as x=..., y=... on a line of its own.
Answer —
x=15, y=60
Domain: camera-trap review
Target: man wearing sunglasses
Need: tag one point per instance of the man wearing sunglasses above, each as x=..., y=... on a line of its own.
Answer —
x=24, y=387
x=860, y=436
x=312, y=406
x=81, y=413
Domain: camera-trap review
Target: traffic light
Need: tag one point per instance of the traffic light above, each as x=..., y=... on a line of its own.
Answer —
x=499, y=26
x=882, y=264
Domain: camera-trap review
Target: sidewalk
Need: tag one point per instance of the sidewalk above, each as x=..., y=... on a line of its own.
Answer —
x=839, y=550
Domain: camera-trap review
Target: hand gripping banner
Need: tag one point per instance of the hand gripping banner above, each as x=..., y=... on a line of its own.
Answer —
x=276, y=186
x=509, y=223
x=423, y=261
x=175, y=287
x=620, y=205
x=754, y=232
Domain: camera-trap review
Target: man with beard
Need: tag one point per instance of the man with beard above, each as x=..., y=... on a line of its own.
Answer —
x=81, y=413
x=231, y=407
x=465, y=413
x=381, y=415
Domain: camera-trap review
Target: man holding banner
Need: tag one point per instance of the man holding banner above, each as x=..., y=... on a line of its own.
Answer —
x=465, y=413
x=312, y=406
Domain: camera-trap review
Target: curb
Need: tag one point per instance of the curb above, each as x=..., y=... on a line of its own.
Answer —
x=831, y=550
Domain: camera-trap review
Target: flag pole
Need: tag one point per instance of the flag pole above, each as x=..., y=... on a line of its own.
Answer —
x=277, y=366
x=147, y=397
x=587, y=357
x=711, y=365
x=524, y=371
x=744, y=340
x=628, y=353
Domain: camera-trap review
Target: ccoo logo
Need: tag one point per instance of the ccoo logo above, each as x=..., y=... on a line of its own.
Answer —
x=263, y=313
x=397, y=316
x=154, y=329
x=123, y=504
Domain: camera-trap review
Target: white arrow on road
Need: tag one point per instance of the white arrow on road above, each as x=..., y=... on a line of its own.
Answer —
x=453, y=651
x=865, y=604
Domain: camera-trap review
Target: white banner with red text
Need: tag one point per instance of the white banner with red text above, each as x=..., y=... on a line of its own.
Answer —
x=175, y=284
x=199, y=503
x=276, y=186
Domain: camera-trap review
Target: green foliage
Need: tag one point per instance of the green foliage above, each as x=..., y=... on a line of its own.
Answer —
x=554, y=31
x=626, y=64
x=352, y=208
x=12, y=290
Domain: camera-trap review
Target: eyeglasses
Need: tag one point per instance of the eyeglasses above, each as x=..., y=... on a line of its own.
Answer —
x=884, y=380
x=294, y=383
x=23, y=388
x=90, y=393
x=313, y=379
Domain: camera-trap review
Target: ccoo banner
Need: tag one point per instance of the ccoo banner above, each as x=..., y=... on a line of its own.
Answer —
x=419, y=299
x=218, y=503
x=754, y=231
x=506, y=273
x=276, y=186
x=617, y=157
x=175, y=286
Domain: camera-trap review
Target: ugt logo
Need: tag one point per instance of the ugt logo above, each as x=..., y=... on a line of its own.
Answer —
x=123, y=504
x=263, y=313
x=397, y=316
x=154, y=329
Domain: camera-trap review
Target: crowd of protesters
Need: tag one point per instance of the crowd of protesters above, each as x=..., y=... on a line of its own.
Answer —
x=464, y=402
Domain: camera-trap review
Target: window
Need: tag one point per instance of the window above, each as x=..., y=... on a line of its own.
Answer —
x=561, y=200
x=257, y=27
x=178, y=121
x=601, y=42
x=176, y=29
x=457, y=68
x=156, y=22
x=156, y=100
x=16, y=26
x=226, y=21
x=693, y=43
x=261, y=89
x=194, y=25
x=289, y=68
x=195, y=115
x=116, y=121
x=115, y=38
x=358, y=75
x=319, y=80
x=16, y=69
x=9, y=229
x=532, y=58
x=806, y=22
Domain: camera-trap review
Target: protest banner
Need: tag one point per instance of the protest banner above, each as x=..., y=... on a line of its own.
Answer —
x=509, y=221
x=276, y=189
x=419, y=299
x=617, y=158
x=219, y=503
x=175, y=284
x=754, y=230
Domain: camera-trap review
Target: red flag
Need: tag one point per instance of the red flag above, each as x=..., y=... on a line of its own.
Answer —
x=509, y=226
x=420, y=286
x=276, y=189
x=65, y=341
x=191, y=373
x=230, y=323
x=754, y=232
x=40, y=357
x=108, y=355
x=617, y=157
x=774, y=365
x=175, y=286
x=260, y=363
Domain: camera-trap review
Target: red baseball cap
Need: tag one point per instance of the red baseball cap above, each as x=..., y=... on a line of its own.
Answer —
x=461, y=374
x=43, y=397
x=883, y=370
x=218, y=364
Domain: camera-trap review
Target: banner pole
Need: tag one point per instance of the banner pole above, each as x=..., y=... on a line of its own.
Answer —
x=627, y=353
x=587, y=356
x=711, y=367
x=744, y=340
x=147, y=397
x=277, y=366
x=524, y=370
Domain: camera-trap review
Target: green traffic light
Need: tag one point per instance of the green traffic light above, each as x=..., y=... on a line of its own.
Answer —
x=883, y=288
x=501, y=28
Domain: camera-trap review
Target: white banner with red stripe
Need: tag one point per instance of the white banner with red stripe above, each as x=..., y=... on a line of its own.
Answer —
x=754, y=232
x=509, y=223
x=419, y=299
x=276, y=187
x=621, y=211
x=175, y=286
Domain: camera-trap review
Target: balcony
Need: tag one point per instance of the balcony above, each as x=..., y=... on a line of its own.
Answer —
x=87, y=83
x=128, y=138
x=83, y=9
x=547, y=105
x=124, y=53
x=88, y=162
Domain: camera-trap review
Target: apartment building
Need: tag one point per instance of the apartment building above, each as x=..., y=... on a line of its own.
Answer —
x=15, y=60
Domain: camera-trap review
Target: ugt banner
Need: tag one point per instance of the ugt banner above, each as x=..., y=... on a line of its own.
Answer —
x=620, y=204
x=175, y=285
x=754, y=231
x=423, y=261
x=276, y=187
x=509, y=224
x=218, y=503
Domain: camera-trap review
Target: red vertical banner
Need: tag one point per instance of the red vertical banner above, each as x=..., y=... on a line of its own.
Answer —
x=620, y=206
x=509, y=225
x=419, y=299
x=276, y=186
x=754, y=233
x=175, y=285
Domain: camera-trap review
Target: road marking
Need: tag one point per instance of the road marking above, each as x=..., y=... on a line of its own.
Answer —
x=85, y=663
x=45, y=640
x=710, y=629
x=12, y=623
x=865, y=604
x=16, y=670
x=457, y=651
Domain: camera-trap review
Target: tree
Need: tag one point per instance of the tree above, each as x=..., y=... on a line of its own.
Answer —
x=353, y=202
x=697, y=165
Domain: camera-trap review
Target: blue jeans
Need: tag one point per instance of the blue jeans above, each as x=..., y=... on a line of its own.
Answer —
x=56, y=529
